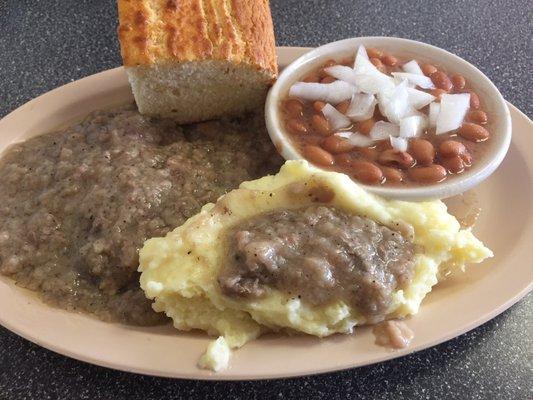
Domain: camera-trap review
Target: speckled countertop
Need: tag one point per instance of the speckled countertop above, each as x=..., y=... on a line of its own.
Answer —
x=46, y=43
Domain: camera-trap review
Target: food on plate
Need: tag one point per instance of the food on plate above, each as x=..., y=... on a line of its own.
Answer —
x=393, y=334
x=305, y=250
x=385, y=120
x=193, y=61
x=76, y=205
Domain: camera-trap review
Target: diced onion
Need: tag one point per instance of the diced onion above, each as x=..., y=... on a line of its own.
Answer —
x=420, y=80
x=369, y=79
x=356, y=138
x=434, y=110
x=418, y=99
x=361, y=107
x=342, y=73
x=453, y=108
x=360, y=57
x=374, y=82
x=398, y=101
x=382, y=130
x=412, y=67
x=412, y=126
x=395, y=107
x=337, y=120
x=398, y=143
x=334, y=92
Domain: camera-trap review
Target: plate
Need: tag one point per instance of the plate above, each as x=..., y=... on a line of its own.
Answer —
x=452, y=308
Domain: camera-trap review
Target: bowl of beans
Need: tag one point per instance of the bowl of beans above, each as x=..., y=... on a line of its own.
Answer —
x=405, y=119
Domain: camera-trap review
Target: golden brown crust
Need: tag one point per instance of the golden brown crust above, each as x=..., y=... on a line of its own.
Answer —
x=133, y=32
x=154, y=31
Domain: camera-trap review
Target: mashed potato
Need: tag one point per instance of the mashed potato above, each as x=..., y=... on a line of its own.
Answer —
x=180, y=270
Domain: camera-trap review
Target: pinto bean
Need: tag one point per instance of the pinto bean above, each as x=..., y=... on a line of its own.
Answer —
x=451, y=148
x=320, y=125
x=392, y=175
x=336, y=145
x=400, y=159
x=478, y=117
x=389, y=60
x=344, y=160
x=473, y=132
x=467, y=158
x=294, y=107
x=378, y=64
x=342, y=107
x=454, y=164
x=318, y=106
x=366, y=172
x=314, y=140
x=318, y=156
x=431, y=174
x=328, y=79
x=428, y=69
x=383, y=145
x=366, y=126
x=441, y=81
x=347, y=62
x=374, y=53
x=459, y=82
x=329, y=63
x=422, y=151
x=368, y=153
x=296, y=126
x=437, y=93
x=474, y=100
x=311, y=78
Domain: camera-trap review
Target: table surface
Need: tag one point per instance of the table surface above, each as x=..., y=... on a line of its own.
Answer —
x=47, y=43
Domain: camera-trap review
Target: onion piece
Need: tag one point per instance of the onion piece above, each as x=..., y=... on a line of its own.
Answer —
x=369, y=78
x=434, y=110
x=398, y=143
x=361, y=107
x=453, y=108
x=334, y=92
x=397, y=106
x=337, y=120
x=418, y=99
x=382, y=130
x=412, y=126
x=412, y=67
x=342, y=73
x=423, y=81
x=360, y=57
x=355, y=138
x=374, y=82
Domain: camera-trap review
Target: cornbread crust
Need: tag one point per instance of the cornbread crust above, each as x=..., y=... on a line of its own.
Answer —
x=239, y=31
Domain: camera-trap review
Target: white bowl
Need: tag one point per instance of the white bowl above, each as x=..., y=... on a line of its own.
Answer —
x=493, y=104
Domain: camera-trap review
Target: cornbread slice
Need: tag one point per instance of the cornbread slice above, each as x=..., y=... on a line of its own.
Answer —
x=195, y=60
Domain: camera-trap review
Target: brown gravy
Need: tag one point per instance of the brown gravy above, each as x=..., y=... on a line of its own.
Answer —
x=318, y=254
x=76, y=205
x=393, y=334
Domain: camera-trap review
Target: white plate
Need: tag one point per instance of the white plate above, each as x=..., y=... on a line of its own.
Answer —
x=454, y=307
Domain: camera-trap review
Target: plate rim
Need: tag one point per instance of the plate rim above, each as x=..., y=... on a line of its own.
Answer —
x=293, y=53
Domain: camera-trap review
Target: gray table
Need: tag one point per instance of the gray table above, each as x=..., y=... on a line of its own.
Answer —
x=45, y=44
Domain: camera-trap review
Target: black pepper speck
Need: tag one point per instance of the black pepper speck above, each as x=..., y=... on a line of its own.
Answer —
x=49, y=43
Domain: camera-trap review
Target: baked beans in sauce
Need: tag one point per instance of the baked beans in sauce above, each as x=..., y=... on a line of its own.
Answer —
x=429, y=158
